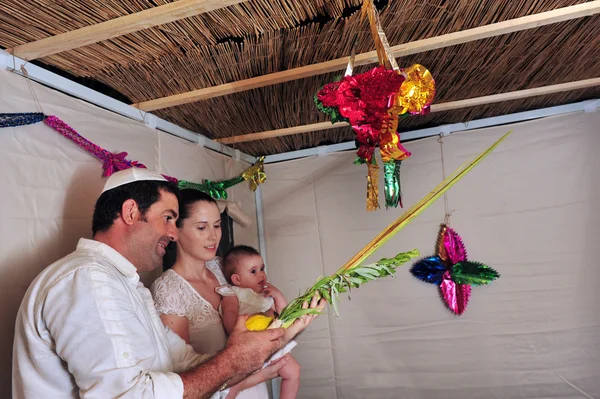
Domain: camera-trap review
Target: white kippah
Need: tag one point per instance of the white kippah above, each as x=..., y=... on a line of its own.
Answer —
x=130, y=175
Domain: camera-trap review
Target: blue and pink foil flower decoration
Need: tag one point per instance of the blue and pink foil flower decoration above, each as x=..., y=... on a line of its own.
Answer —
x=452, y=272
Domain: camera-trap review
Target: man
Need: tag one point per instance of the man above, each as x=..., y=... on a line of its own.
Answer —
x=88, y=328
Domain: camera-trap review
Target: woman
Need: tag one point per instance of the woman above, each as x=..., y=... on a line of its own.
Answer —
x=185, y=295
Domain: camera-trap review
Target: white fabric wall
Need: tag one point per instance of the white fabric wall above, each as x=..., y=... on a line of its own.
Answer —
x=529, y=210
x=49, y=187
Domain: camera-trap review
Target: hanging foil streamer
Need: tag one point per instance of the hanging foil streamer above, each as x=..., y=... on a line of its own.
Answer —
x=390, y=147
x=452, y=272
x=392, y=189
x=110, y=162
x=255, y=174
x=373, y=187
x=215, y=189
x=184, y=185
x=113, y=162
x=225, y=184
x=385, y=54
x=20, y=119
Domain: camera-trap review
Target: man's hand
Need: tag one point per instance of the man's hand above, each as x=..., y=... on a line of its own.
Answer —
x=245, y=352
x=301, y=323
x=249, y=350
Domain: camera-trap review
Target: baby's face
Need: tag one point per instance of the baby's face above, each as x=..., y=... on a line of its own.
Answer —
x=251, y=272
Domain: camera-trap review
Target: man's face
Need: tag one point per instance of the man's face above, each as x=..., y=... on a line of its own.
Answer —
x=153, y=232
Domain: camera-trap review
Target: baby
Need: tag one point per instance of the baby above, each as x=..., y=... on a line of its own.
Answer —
x=250, y=293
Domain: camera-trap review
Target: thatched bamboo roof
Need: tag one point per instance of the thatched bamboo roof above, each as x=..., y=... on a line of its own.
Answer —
x=264, y=36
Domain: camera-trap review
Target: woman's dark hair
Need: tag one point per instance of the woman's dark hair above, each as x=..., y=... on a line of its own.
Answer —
x=144, y=193
x=187, y=199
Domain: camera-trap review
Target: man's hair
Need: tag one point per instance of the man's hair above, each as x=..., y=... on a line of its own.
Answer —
x=231, y=258
x=144, y=193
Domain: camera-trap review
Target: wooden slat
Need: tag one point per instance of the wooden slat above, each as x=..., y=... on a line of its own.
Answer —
x=471, y=102
x=117, y=27
x=282, y=132
x=516, y=95
x=451, y=39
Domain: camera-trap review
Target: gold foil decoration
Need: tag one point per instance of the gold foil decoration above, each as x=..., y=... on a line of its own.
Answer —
x=385, y=55
x=391, y=149
x=440, y=247
x=417, y=91
x=255, y=174
x=389, y=142
x=373, y=187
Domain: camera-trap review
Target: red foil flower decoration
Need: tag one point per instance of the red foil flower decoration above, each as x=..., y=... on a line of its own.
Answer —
x=365, y=100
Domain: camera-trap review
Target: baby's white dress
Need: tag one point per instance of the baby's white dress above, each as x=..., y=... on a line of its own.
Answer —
x=250, y=301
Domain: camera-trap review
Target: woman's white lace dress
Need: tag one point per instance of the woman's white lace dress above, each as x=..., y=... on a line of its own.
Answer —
x=173, y=295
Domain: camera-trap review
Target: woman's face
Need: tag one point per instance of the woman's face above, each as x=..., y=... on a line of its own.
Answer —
x=200, y=234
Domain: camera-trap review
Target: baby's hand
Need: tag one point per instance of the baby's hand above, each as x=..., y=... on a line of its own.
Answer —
x=272, y=291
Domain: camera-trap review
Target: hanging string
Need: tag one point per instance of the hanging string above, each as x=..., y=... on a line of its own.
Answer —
x=31, y=89
x=448, y=213
x=350, y=66
x=228, y=171
x=142, y=115
x=158, y=142
x=23, y=118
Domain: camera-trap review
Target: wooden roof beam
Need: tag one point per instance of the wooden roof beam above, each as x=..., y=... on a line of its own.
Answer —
x=471, y=102
x=419, y=46
x=117, y=27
